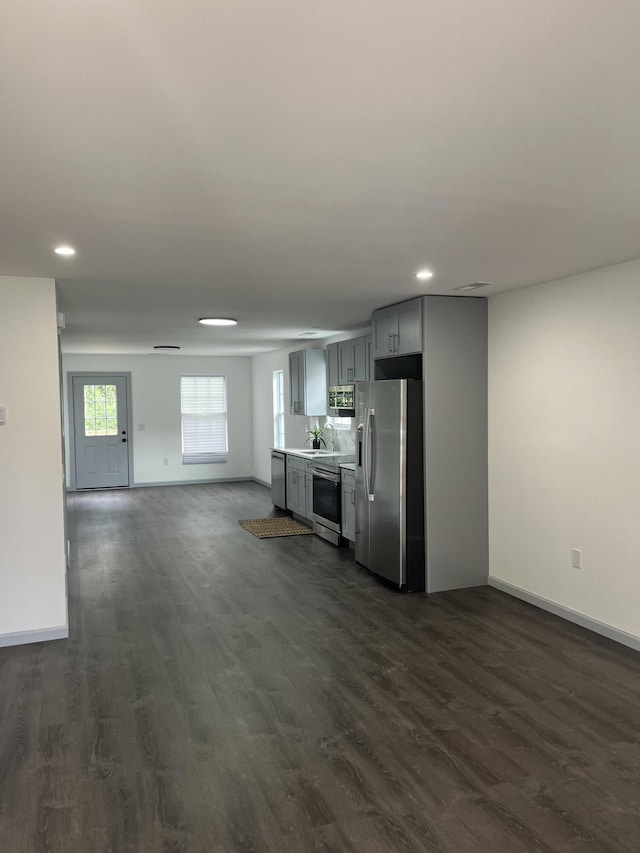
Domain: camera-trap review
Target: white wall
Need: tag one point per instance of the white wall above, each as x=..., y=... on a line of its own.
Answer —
x=564, y=442
x=155, y=382
x=32, y=547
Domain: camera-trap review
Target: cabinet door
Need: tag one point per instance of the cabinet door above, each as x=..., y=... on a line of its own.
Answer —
x=295, y=370
x=409, y=327
x=332, y=365
x=348, y=512
x=292, y=490
x=313, y=382
x=360, y=372
x=345, y=362
x=308, y=479
x=384, y=327
x=368, y=369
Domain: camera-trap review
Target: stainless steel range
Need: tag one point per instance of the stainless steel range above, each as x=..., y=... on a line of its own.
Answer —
x=327, y=508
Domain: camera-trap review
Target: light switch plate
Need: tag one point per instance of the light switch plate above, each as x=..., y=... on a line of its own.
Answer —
x=3, y=415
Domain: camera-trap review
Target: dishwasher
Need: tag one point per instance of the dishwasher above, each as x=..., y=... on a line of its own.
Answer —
x=279, y=479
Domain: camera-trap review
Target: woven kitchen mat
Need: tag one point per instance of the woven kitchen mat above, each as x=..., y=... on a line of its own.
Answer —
x=267, y=528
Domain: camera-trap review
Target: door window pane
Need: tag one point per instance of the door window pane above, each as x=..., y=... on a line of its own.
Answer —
x=100, y=410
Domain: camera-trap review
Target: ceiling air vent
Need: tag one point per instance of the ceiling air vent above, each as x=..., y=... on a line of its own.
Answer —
x=466, y=288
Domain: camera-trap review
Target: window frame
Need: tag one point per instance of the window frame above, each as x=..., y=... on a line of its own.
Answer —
x=205, y=457
x=277, y=383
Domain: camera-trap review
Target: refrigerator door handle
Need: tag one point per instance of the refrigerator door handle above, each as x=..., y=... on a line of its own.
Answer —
x=365, y=452
x=368, y=453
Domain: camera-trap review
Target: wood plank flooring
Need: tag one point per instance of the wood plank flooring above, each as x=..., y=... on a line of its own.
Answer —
x=224, y=693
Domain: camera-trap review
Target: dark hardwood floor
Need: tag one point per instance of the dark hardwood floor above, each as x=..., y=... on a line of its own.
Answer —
x=225, y=693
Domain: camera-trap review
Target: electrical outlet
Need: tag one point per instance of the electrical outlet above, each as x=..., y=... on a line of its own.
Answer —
x=165, y=460
x=576, y=558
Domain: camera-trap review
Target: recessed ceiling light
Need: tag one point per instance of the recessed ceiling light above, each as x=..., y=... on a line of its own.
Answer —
x=217, y=321
x=64, y=250
x=423, y=275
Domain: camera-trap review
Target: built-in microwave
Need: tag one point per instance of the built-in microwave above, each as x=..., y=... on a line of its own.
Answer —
x=342, y=400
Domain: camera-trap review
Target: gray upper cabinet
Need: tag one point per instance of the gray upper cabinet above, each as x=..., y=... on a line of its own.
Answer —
x=397, y=329
x=345, y=362
x=353, y=362
x=367, y=355
x=308, y=382
x=333, y=377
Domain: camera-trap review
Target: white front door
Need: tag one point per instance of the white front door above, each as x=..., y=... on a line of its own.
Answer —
x=101, y=437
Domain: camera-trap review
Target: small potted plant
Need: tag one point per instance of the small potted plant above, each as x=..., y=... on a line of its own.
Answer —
x=315, y=437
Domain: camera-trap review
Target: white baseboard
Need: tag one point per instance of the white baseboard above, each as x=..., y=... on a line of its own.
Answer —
x=609, y=631
x=262, y=483
x=220, y=480
x=40, y=635
x=168, y=483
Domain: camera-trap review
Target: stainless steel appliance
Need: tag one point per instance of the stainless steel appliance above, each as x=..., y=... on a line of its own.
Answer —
x=390, y=481
x=342, y=400
x=327, y=504
x=278, y=479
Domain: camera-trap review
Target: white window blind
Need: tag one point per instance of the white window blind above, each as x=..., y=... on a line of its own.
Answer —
x=203, y=404
x=278, y=408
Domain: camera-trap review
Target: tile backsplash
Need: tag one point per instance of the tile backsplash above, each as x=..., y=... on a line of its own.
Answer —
x=342, y=437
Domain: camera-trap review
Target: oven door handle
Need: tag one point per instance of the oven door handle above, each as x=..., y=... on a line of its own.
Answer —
x=333, y=478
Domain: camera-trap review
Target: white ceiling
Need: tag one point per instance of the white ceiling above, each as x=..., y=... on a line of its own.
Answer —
x=292, y=164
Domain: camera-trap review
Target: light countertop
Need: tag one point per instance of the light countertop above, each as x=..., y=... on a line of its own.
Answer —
x=309, y=453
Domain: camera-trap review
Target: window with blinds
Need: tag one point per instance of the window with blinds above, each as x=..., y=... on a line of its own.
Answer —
x=278, y=408
x=203, y=404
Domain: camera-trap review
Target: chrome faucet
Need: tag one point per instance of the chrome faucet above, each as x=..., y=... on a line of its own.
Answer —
x=333, y=432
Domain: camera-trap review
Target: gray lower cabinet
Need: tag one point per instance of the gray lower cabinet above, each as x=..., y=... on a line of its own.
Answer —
x=349, y=505
x=397, y=329
x=308, y=481
x=299, y=487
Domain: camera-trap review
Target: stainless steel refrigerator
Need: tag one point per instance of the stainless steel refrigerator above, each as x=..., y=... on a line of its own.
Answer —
x=390, y=481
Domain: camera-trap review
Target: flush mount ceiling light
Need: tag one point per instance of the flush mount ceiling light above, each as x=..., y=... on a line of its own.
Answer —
x=423, y=275
x=467, y=287
x=166, y=347
x=217, y=321
x=65, y=251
